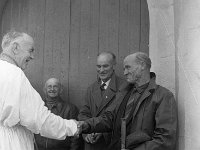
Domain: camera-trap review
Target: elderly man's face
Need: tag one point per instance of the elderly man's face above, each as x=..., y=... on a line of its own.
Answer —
x=105, y=67
x=53, y=88
x=25, y=52
x=132, y=70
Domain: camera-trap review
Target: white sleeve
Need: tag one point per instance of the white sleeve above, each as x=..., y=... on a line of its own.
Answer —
x=37, y=118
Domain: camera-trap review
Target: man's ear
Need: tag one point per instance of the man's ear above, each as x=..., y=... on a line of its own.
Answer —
x=15, y=48
x=143, y=65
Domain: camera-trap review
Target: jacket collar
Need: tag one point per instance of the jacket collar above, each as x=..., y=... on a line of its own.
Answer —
x=112, y=85
x=58, y=101
x=148, y=91
x=151, y=86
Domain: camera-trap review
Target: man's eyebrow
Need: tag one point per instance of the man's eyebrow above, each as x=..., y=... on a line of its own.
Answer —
x=32, y=49
x=126, y=66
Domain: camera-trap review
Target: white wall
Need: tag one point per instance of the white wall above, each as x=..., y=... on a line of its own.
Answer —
x=175, y=52
x=187, y=33
x=161, y=44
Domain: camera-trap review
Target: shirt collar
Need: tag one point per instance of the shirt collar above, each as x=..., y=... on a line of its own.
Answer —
x=4, y=56
x=107, y=83
x=51, y=103
x=141, y=88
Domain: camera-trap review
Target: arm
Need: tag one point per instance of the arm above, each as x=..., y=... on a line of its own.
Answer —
x=164, y=137
x=37, y=118
x=85, y=112
x=100, y=124
x=75, y=142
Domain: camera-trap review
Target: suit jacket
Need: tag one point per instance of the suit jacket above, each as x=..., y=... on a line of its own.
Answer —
x=152, y=124
x=96, y=103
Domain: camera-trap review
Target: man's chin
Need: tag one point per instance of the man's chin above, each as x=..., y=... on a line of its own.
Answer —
x=52, y=95
x=24, y=67
x=104, y=78
x=130, y=81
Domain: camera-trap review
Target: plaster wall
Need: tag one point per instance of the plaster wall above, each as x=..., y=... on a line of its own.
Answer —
x=161, y=44
x=174, y=48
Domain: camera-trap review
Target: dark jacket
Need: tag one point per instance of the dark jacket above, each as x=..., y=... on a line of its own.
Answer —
x=95, y=104
x=152, y=125
x=66, y=111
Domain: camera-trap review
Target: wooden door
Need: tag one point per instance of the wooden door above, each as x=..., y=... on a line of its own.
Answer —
x=69, y=34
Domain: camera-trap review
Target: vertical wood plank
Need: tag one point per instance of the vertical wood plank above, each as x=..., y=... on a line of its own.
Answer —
x=15, y=14
x=56, y=52
x=6, y=17
x=2, y=6
x=144, y=25
x=49, y=40
x=63, y=9
x=74, y=72
x=124, y=33
x=134, y=26
x=83, y=47
x=36, y=27
x=108, y=26
x=23, y=13
x=88, y=43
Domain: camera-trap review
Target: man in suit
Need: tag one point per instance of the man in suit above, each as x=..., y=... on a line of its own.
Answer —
x=98, y=97
x=53, y=101
x=149, y=110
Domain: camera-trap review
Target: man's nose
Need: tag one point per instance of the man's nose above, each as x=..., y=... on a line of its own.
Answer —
x=32, y=56
x=125, y=71
x=101, y=69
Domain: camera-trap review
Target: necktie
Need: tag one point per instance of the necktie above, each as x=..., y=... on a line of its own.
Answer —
x=102, y=87
x=130, y=103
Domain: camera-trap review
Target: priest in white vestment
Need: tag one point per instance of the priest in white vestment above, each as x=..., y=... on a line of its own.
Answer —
x=22, y=111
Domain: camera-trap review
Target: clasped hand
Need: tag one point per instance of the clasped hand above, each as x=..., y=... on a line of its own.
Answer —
x=93, y=137
x=79, y=127
x=90, y=138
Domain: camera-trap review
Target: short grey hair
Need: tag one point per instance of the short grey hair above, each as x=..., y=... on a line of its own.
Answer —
x=11, y=37
x=143, y=57
x=109, y=53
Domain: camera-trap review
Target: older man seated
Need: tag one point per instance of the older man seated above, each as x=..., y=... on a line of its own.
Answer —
x=56, y=105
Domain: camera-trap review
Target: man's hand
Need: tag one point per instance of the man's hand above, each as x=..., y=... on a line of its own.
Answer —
x=93, y=138
x=89, y=138
x=96, y=137
x=79, y=128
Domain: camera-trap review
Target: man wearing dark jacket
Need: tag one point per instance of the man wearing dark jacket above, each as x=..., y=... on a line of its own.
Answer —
x=98, y=97
x=56, y=105
x=149, y=110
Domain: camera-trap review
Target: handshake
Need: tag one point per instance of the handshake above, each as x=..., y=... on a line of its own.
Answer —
x=81, y=126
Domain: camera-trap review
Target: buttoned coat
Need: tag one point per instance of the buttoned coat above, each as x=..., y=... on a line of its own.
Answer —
x=152, y=124
x=96, y=103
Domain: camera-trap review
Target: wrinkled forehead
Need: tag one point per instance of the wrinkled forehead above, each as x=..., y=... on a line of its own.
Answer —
x=26, y=40
x=104, y=58
x=52, y=81
x=131, y=60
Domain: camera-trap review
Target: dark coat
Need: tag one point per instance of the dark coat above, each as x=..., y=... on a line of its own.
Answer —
x=66, y=111
x=152, y=125
x=95, y=104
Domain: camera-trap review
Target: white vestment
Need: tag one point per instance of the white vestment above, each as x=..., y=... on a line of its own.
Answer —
x=22, y=112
